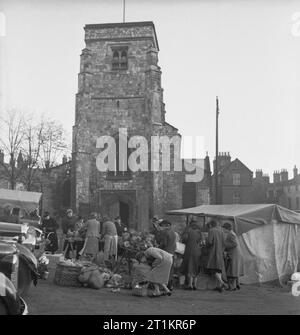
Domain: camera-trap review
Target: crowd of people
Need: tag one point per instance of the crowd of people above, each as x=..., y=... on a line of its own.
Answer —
x=81, y=237
x=216, y=253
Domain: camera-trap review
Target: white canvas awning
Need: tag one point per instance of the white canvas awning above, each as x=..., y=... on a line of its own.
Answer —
x=22, y=199
x=246, y=217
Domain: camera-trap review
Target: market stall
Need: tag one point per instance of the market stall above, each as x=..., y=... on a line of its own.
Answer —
x=269, y=236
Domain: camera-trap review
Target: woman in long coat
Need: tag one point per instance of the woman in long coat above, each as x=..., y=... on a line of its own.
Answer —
x=161, y=263
x=234, y=262
x=216, y=247
x=191, y=259
x=91, y=245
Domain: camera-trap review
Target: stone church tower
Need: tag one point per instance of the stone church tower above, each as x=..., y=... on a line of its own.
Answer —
x=119, y=86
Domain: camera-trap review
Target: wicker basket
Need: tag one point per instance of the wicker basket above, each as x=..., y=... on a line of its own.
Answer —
x=140, y=291
x=66, y=275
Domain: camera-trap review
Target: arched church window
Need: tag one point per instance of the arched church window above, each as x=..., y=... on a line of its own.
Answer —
x=115, y=61
x=120, y=59
x=123, y=60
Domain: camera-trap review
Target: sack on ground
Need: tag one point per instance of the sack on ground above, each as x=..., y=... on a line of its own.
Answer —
x=85, y=274
x=96, y=280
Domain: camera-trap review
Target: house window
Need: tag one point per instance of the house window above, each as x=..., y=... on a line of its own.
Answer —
x=236, y=198
x=297, y=203
x=289, y=203
x=120, y=59
x=236, y=179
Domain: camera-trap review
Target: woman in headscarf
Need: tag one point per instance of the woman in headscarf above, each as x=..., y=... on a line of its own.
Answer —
x=161, y=263
x=190, y=265
x=234, y=261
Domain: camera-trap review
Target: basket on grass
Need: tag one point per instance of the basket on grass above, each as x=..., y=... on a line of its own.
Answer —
x=140, y=290
x=66, y=275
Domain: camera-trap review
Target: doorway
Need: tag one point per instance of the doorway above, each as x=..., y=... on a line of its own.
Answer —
x=120, y=203
x=124, y=212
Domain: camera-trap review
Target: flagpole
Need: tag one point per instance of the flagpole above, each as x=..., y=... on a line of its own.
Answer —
x=217, y=152
x=123, y=11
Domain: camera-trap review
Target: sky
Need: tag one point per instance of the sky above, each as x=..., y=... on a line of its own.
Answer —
x=244, y=52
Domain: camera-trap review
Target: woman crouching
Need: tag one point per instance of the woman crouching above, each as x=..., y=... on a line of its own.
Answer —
x=161, y=263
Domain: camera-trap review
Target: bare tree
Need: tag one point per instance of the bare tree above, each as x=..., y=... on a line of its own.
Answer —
x=31, y=149
x=12, y=135
x=41, y=143
x=53, y=143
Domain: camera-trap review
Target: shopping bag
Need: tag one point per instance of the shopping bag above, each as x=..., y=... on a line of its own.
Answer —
x=180, y=248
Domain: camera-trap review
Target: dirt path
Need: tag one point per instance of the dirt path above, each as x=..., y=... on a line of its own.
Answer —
x=48, y=298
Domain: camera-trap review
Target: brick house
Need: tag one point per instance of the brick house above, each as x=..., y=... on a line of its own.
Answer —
x=234, y=181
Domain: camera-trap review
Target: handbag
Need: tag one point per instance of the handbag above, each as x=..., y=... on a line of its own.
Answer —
x=180, y=248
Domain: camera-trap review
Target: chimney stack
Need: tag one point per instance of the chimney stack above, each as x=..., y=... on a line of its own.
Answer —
x=284, y=175
x=266, y=178
x=258, y=174
x=295, y=171
x=224, y=159
x=276, y=177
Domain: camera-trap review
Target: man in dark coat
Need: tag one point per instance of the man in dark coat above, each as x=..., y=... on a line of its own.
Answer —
x=234, y=263
x=216, y=247
x=121, y=228
x=167, y=242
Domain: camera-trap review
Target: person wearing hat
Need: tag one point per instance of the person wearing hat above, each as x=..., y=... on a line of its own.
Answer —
x=167, y=242
x=68, y=224
x=234, y=264
x=190, y=266
x=216, y=247
x=49, y=227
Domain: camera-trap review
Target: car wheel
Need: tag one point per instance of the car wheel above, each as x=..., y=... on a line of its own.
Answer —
x=3, y=309
x=24, y=279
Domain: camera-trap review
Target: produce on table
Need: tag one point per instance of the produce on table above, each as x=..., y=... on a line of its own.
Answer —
x=137, y=241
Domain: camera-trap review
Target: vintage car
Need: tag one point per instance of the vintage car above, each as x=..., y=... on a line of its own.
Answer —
x=15, y=235
x=11, y=302
x=22, y=208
